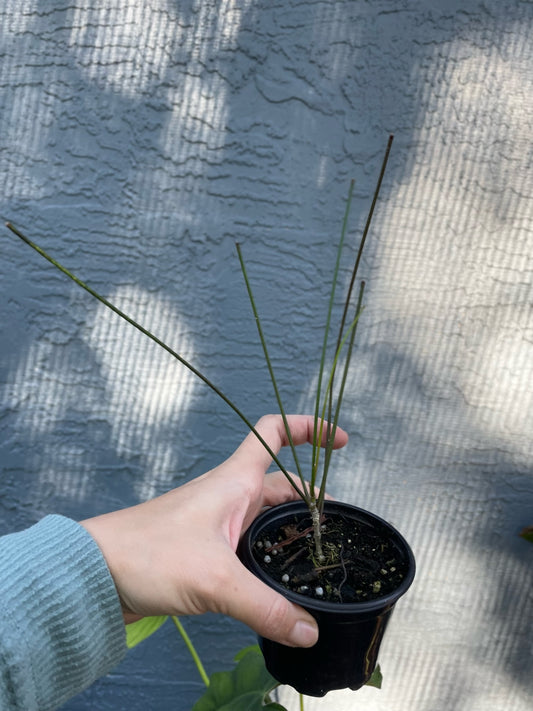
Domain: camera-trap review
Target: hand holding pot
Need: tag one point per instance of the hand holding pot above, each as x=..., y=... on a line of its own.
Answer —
x=176, y=555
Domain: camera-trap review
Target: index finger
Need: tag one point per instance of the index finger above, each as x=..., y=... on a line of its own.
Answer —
x=272, y=430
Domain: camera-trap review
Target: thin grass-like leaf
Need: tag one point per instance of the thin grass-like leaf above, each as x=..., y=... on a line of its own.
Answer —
x=365, y=235
x=271, y=371
x=350, y=331
x=360, y=250
x=331, y=434
x=316, y=441
x=163, y=345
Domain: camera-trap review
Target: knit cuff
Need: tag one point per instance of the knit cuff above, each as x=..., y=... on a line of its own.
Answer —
x=61, y=624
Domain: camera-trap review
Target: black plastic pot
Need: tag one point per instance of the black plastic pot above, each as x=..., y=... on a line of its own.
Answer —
x=349, y=633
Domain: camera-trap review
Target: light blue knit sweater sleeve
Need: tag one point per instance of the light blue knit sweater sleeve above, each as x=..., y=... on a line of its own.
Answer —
x=61, y=625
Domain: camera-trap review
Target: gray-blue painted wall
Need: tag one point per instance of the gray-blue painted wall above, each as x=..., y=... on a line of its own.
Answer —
x=138, y=142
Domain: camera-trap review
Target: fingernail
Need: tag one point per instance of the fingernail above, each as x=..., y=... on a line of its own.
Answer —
x=304, y=634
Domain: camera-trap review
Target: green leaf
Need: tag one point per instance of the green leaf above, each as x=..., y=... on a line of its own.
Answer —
x=376, y=679
x=527, y=534
x=136, y=632
x=243, y=652
x=245, y=688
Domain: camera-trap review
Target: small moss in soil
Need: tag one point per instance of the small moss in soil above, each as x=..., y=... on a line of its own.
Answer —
x=362, y=563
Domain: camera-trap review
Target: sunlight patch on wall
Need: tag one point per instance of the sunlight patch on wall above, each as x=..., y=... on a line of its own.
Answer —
x=124, y=46
x=193, y=138
x=333, y=34
x=497, y=380
x=194, y=135
x=47, y=390
x=65, y=470
x=16, y=15
x=34, y=393
x=190, y=143
x=25, y=124
x=216, y=26
x=322, y=171
x=137, y=411
x=147, y=391
x=455, y=248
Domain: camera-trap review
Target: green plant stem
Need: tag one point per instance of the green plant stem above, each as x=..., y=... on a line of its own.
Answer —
x=322, y=419
x=330, y=430
x=365, y=234
x=316, y=504
x=163, y=345
x=362, y=246
x=331, y=434
x=301, y=702
x=271, y=372
x=192, y=650
x=316, y=442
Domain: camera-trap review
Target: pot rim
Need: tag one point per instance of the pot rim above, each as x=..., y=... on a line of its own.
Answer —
x=372, y=606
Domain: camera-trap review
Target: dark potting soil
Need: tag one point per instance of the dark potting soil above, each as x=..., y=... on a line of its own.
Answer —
x=362, y=563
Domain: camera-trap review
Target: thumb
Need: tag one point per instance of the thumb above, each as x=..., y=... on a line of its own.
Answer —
x=267, y=612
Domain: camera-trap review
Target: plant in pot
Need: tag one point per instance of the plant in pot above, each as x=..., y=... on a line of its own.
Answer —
x=346, y=566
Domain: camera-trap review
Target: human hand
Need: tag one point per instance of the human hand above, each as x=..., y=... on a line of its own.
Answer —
x=175, y=554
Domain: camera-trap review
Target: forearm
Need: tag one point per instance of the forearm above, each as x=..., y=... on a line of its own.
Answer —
x=61, y=624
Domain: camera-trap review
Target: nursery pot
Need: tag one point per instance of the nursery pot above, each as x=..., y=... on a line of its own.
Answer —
x=350, y=633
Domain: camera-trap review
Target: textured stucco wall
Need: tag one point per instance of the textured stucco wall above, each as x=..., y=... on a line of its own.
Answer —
x=138, y=141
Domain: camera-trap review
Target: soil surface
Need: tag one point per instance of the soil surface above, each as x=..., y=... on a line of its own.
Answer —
x=361, y=563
